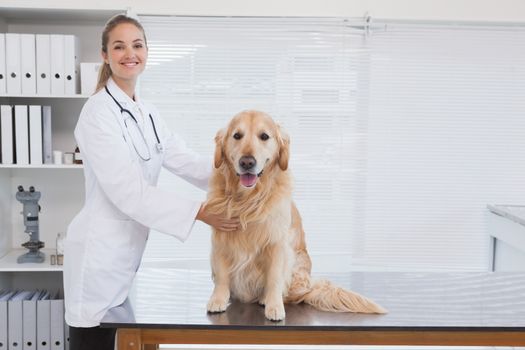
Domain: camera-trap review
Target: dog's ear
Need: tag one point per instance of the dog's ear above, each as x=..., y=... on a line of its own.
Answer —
x=284, y=149
x=219, y=145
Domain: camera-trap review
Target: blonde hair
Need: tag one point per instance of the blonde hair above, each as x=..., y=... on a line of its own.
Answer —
x=105, y=71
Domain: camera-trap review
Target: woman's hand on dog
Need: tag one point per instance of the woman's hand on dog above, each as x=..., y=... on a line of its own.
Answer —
x=218, y=222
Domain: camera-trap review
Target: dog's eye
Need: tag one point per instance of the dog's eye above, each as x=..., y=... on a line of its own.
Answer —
x=237, y=136
x=264, y=136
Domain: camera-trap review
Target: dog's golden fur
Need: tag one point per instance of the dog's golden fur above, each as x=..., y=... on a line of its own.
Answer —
x=266, y=261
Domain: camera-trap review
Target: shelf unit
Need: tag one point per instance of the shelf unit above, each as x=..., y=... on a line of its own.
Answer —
x=30, y=275
x=8, y=262
x=45, y=96
x=62, y=189
x=43, y=166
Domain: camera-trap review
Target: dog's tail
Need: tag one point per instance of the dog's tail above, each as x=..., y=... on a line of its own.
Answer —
x=326, y=296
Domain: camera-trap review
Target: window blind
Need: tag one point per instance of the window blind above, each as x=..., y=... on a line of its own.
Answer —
x=301, y=71
x=401, y=133
x=445, y=138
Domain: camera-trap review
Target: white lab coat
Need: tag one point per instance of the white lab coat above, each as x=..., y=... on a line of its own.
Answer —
x=106, y=240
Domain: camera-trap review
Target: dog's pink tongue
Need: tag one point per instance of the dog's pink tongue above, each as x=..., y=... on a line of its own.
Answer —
x=248, y=180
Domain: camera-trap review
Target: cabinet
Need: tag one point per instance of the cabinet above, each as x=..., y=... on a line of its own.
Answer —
x=506, y=225
x=62, y=186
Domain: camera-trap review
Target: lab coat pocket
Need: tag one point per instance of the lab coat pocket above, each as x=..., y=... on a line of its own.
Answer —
x=109, y=244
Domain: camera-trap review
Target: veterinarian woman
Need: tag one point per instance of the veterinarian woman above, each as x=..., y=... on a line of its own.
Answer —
x=124, y=143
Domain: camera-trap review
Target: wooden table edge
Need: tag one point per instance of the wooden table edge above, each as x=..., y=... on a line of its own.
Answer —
x=136, y=338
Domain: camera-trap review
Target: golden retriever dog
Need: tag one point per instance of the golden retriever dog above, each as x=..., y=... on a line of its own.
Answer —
x=266, y=261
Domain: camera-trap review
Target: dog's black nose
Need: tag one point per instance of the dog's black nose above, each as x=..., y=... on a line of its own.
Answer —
x=247, y=162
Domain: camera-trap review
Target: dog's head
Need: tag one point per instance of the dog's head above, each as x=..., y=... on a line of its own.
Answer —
x=251, y=143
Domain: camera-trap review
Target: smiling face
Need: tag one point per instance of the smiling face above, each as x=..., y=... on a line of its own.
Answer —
x=126, y=53
x=251, y=143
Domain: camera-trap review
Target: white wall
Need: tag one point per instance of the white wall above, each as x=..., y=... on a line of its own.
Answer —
x=455, y=10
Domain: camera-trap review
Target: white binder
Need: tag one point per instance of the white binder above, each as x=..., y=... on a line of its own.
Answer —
x=21, y=135
x=43, y=319
x=89, y=76
x=29, y=322
x=28, y=63
x=3, y=76
x=4, y=297
x=12, y=61
x=15, y=320
x=57, y=64
x=35, y=135
x=71, y=64
x=47, y=136
x=66, y=335
x=3, y=320
x=43, y=64
x=57, y=323
x=6, y=126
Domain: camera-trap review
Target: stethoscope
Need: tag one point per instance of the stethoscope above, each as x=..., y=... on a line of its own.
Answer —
x=158, y=145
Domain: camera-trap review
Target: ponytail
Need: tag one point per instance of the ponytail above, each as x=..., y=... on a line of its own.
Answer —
x=103, y=76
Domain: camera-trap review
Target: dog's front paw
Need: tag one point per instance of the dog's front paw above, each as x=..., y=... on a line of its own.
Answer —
x=217, y=305
x=219, y=299
x=218, y=302
x=274, y=312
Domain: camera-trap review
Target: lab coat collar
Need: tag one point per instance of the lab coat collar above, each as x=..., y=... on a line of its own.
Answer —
x=120, y=95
